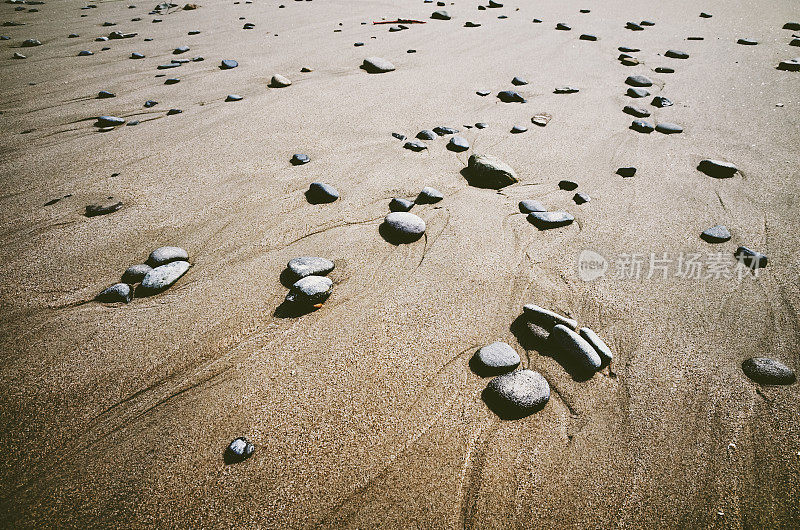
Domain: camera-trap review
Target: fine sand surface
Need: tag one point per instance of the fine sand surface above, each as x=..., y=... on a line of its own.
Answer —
x=365, y=413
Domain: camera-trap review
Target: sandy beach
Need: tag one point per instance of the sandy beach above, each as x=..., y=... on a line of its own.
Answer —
x=367, y=412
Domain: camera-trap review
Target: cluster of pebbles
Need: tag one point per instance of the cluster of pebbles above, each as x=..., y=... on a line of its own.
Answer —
x=310, y=286
x=163, y=268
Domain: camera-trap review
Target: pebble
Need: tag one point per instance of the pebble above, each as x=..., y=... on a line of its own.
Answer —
x=319, y=192
x=794, y=26
x=587, y=36
x=444, y=131
x=137, y=55
x=105, y=94
x=469, y=24
x=637, y=92
x=233, y=97
x=576, y=348
x=399, y=136
x=238, y=450
x=172, y=81
x=517, y=129
x=768, y=371
x=705, y=15
x=747, y=42
x=404, y=226
x=647, y=23
x=415, y=145
x=581, y=198
x=665, y=70
x=400, y=205
x=751, y=258
x=496, y=358
x=150, y=103
x=599, y=345
x=429, y=195
x=638, y=80
x=227, y=64
x=636, y=111
x=563, y=27
x=310, y=291
x=790, y=65
x=669, y=128
x=717, y=168
x=518, y=81
x=18, y=55
x=168, y=65
x=109, y=121
x=642, y=126
x=483, y=92
x=716, y=234
x=545, y=318
x=376, y=65
x=530, y=205
x=548, y=220
x=279, y=81
x=119, y=292
x=487, y=171
x=164, y=255
x=510, y=96
x=480, y=125
x=518, y=394
x=135, y=273
x=102, y=208
x=440, y=15
x=309, y=266
x=794, y=42
x=427, y=134
x=458, y=144
x=626, y=171
x=633, y=26
x=628, y=50
x=180, y=49
x=567, y=185
x=661, y=101
x=163, y=277
x=565, y=90
x=84, y=53
x=30, y=43
x=299, y=159
x=676, y=54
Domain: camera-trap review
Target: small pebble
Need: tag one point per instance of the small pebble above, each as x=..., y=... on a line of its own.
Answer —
x=768, y=371
x=299, y=159
x=320, y=193
x=429, y=195
x=496, y=358
x=716, y=234
x=548, y=220
x=119, y=292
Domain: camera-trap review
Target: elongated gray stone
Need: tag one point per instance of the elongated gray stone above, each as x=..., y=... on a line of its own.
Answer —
x=661, y=101
x=377, y=65
x=429, y=195
x=404, y=227
x=442, y=130
x=598, y=344
x=548, y=220
x=566, y=90
x=676, y=54
x=310, y=290
x=717, y=168
x=164, y=255
x=575, y=348
x=768, y=371
x=669, y=128
x=529, y=205
x=227, y=64
x=637, y=92
x=487, y=171
x=642, y=126
x=510, y=96
x=636, y=111
x=638, y=80
x=119, y=292
x=790, y=65
x=309, y=266
x=163, y=277
x=496, y=358
x=109, y=121
x=135, y=273
x=747, y=42
x=716, y=234
x=546, y=318
x=415, y=145
x=517, y=394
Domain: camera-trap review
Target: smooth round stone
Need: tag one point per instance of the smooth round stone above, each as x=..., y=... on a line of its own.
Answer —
x=102, y=208
x=768, y=371
x=227, y=64
x=676, y=54
x=377, y=65
x=109, y=121
x=636, y=111
x=180, y=49
x=458, y=144
x=747, y=42
x=487, y=171
x=517, y=394
x=661, y=101
x=135, y=273
x=567, y=185
x=444, y=131
x=638, y=80
x=626, y=171
x=496, y=358
x=635, y=92
x=429, y=195
x=319, y=192
x=309, y=266
x=405, y=226
x=279, y=81
x=565, y=90
x=587, y=36
x=164, y=255
x=518, y=81
x=642, y=126
x=716, y=234
x=717, y=168
x=163, y=277
x=562, y=27
x=299, y=159
x=581, y=198
x=415, y=145
x=750, y=257
x=103, y=94
x=400, y=205
x=310, y=290
x=529, y=205
x=234, y=97
x=517, y=129
x=239, y=449
x=440, y=15
x=510, y=96
x=119, y=292
x=427, y=134
x=548, y=220
x=598, y=344
x=579, y=352
x=84, y=53
x=665, y=70
x=669, y=128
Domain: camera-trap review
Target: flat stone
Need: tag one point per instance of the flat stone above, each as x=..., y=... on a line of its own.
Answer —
x=626, y=49
x=563, y=27
x=376, y=65
x=518, y=81
x=137, y=55
x=168, y=66
x=496, y=358
x=751, y=258
x=517, y=394
x=636, y=111
x=642, y=126
x=458, y=144
x=747, y=42
x=119, y=292
x=279, y=81
x=400, y=205
x=227, y=64
x=104, y=94
x=440, y=15
x=794, y=42
x=480, y=125
x=647, y=23
x=565, y=90
x=629, y=61
x=469, y=24
x=510, y=96
x=487, y=171
x=29, y=43
x=429, y=195
x=163, y=277
x=529, y=205
x=310, y=290
x=626, y=171
x=319, y=192
x=661, y=101
x=581, y=198
x=665, y=70
x=548, y=220
x=638, y=80
x=427, y=134
x=576, y=349
x=85, y=53
x=415, y=145
x=705, y=15
x=238, y=450
x=717, y=168
x=794, y=26
x=599, y=345
x=403, y=226
x=150, y=103
x=567, y=185
x=399, y=136
x=172, y=81
x=676, y=54
x=135, y=273
x=483, y=92
x=541, y=119
x=18, y=55
x=768, y=371
x=633, y=26
x=164, y=255
x=587, y=36
x=791, y=65
x=309, y=266
x=233, y=97
x=636, y=92
x=669, y=128
x=298, y=159
x=109, y=121
x=102, y=208
x=716, y=234
x=180, y=49
x=517, y=129
x=444, y=131
x=546, y=318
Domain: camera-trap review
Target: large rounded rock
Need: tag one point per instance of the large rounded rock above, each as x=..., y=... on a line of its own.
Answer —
x=376, y=65
x=164, y=255
x=162, y=277
x=577, y=351
x=517, y=394
x=404, y=227
x=310, y=291
x=768, y=371
x=486, y=171
x=496, y=358
x=119, y=292
x=309, y=266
